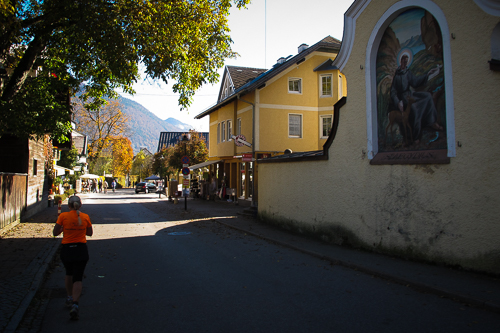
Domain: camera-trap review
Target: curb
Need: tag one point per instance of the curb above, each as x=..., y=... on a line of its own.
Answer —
x=10, y=226
x=421, y=287
x=46, y=258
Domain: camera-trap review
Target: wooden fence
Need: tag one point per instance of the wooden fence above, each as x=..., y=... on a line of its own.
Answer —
x=13, y=187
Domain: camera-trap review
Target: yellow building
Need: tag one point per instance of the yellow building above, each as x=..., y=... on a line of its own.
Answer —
x=412, y=168
x=262, y=113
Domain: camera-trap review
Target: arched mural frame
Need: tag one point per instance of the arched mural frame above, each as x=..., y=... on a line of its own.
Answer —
x=371, y=88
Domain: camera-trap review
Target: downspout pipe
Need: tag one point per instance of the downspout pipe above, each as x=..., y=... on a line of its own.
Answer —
x=254, y=205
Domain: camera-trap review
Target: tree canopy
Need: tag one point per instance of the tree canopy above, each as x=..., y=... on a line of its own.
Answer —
x=142, y=165
x=160, y=163
x=97, y=46
x=102, y=126
x=69, y=158
x=123, y=155
x=195, y=148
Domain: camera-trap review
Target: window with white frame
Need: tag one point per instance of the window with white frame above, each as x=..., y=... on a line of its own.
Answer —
x=294, y=85
x=325, y=125
x=218, y=133
x=326, y=85
x=295, y=125
x=229, y=130
x=238, y=126
x=223, y=131
x=56, y=154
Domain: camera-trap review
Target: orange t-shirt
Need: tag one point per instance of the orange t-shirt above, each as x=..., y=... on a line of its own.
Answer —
x=72, y=232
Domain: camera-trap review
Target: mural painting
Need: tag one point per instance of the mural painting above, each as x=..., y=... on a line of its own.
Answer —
x=411, y=110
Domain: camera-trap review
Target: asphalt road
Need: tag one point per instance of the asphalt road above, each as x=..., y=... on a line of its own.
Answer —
x=156, y=268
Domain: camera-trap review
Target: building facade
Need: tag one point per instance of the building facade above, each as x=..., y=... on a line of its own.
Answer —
x=262, y=113
x=411, y=168
x=24, y=178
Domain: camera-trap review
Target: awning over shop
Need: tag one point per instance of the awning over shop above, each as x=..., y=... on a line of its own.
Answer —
x=204, y=164
x=62, y=170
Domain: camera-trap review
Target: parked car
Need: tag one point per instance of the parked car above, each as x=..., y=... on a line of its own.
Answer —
x=141, y=187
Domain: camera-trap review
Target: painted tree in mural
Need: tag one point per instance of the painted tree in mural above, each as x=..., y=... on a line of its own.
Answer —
x=101, y=127
x=195, y=148
x=51, y=50
x=122, y=156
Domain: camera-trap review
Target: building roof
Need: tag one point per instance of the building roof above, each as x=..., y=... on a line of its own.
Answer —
x=145, y=150
x=242, y=75
x=327, y=44
x=235, y=77
x=326, y=66
x=170, y=139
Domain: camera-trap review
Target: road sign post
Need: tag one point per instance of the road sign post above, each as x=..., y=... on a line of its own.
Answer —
x=185, y=171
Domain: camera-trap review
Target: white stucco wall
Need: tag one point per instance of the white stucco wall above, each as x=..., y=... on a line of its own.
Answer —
x=447, y=213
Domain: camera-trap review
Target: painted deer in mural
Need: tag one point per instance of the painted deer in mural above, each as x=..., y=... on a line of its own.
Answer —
x=398, y=117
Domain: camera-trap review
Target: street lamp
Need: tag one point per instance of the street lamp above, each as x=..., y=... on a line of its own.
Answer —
x=185, y=139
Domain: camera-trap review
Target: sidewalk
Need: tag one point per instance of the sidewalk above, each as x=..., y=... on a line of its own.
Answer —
x=472, y=289
x=24, y=262
x=25, y=253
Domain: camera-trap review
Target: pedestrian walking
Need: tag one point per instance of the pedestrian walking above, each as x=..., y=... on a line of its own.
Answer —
x=105, y=185
x=113, y=185
x=75, y=226
x=100, y=185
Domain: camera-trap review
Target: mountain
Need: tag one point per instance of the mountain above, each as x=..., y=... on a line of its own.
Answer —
x=145, y=126
x=413, y=42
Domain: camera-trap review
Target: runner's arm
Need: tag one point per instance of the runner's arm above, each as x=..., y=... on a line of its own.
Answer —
x=57, y=230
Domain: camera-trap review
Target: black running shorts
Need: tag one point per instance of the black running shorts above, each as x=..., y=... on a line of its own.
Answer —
x=75, y=257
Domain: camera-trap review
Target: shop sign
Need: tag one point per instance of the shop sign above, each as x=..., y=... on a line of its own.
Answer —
x=241, y=140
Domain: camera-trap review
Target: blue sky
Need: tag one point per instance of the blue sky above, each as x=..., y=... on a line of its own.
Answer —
x=262, y=33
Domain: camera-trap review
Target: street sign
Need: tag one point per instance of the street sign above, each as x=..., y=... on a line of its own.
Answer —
x=185, y=165
x=185, y=182
x=246, y=157
x=185, y=171
x=185, y=159
x=240, y=141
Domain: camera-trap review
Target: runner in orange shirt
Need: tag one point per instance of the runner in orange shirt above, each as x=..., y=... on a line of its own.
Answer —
x=75, y=226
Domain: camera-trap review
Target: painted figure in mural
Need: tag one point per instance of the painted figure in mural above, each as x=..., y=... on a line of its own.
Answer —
x=411, y=84
x=423, y=111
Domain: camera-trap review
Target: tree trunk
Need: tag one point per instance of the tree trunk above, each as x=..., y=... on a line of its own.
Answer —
x=22, y=71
